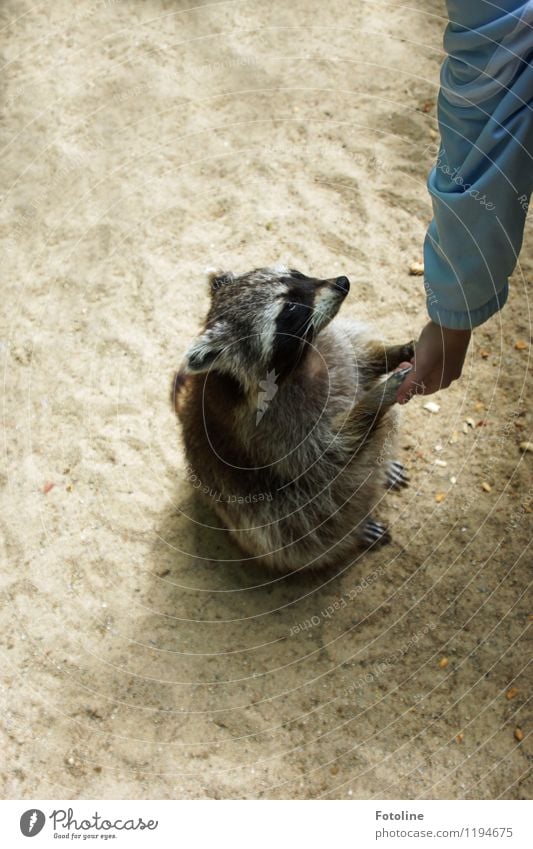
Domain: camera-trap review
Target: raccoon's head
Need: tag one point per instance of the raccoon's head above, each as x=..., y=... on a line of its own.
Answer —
x=266, y=319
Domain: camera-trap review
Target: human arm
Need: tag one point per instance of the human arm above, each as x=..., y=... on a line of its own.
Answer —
x=480, y=185
x=439, y=357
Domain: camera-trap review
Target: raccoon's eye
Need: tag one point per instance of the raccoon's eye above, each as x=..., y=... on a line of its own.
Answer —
x=295, y=316
x=294, y=307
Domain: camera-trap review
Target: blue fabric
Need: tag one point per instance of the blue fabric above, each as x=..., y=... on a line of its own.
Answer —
x=483, y=178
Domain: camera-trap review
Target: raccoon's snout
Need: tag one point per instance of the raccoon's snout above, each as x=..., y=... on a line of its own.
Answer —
x=342, y=284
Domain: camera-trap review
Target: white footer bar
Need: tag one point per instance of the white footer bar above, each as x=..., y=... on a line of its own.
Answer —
x=267, y=824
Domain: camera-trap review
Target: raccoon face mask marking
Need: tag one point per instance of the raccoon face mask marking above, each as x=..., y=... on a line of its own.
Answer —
x=266, y=319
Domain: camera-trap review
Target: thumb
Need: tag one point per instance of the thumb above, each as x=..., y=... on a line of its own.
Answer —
x=412, y=385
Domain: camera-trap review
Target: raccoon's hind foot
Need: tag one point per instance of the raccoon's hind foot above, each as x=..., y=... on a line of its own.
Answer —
x=374, y=533
x=397, y=477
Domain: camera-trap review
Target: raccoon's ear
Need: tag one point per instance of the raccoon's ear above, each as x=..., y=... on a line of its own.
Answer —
x=205, y=351
x=216, y=279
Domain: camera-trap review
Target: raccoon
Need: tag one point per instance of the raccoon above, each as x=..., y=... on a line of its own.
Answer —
x=288, y=429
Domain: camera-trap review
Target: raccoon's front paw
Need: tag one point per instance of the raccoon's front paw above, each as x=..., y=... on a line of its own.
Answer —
x=397, y=477
x=374, y=533
x=390, y=386
x=395, y=355
x=408, y=351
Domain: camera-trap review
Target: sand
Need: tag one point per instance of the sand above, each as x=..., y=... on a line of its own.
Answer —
x=141, y=143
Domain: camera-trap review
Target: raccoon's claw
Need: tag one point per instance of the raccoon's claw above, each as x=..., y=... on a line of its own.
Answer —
x=375, y=533
x=397, y=477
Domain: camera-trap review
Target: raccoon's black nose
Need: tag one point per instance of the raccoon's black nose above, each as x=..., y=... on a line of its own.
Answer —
x=343, y=284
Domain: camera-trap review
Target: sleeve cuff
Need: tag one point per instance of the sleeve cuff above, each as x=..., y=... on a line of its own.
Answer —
x=467, y=320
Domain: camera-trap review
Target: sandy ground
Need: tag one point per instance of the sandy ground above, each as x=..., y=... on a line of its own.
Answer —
x=142, y=142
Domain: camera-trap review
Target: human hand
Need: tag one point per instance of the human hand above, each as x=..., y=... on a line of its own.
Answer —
x=439, y=357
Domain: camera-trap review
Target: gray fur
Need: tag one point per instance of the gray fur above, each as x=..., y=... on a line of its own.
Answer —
x=299, y=460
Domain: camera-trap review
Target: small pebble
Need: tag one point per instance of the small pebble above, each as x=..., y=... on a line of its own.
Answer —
x=483, y=354
x=511, y=693
x=486, y=486
x=470, y=422
x=518, y=734
x=454, y=437
x=440, y=496
x=443, y=662
x=459, y=737
x=416, y=268
x=521, y=345
x=442, y=463
x=453, y=479
x=432, y=407
x=526, y=446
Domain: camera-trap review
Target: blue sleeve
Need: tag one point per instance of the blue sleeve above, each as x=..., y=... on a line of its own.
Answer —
x=483, y=178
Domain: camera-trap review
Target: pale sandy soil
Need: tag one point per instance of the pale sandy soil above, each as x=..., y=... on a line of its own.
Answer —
x=142, y=142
